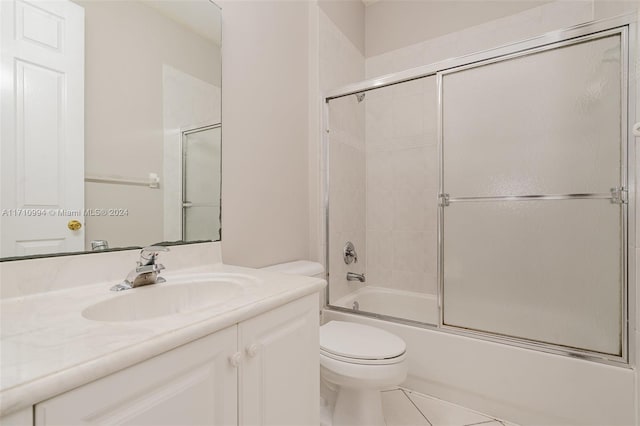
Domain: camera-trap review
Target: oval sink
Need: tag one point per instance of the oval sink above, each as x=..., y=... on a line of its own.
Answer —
x=158, y=300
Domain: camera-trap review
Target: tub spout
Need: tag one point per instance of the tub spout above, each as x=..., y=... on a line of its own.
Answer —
x=352, y=276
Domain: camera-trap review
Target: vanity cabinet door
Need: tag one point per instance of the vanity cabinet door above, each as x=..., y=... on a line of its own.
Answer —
x=279, y=377
x=23, y=417
x=194, y=384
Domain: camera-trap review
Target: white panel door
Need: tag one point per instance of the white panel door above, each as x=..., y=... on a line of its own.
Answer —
x=42, y=126
x=194, y=384
x=279, y=378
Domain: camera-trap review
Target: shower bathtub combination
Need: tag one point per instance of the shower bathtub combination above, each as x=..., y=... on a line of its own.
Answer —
x=488, y=198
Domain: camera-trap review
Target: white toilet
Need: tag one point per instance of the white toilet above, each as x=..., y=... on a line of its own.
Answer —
x=360, y=361
x=356, y=360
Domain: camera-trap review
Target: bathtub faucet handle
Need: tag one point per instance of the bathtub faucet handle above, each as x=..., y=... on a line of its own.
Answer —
x=349, y=253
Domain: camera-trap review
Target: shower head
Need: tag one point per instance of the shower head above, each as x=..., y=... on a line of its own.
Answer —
x=360, y=96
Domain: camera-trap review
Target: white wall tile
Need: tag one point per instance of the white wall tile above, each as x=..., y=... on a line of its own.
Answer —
x=342, y=63
x=410, y=209
x=408, y=251
x=408, y=115
x=378, y=121
x=379, y=209
x=379, y=170
x=380, y=249
x=409, y=168
x=402, y=183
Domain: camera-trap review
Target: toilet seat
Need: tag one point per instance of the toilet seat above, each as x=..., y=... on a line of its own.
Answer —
x=385, y=361
x=360, y=344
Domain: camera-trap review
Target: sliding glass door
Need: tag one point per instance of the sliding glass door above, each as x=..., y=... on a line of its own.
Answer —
x=534, y=195
x=201, y=183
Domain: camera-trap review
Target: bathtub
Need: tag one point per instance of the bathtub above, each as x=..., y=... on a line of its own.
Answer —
x=516, y=384
x=408, y=305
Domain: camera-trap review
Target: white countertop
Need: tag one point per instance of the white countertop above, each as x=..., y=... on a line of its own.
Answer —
x=47, y=347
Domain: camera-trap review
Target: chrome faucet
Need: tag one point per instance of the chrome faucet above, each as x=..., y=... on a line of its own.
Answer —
x=352, y=276
x=146, y=272
x=97, y=245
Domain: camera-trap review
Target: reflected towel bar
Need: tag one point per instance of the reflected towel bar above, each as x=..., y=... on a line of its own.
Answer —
x=153, y=181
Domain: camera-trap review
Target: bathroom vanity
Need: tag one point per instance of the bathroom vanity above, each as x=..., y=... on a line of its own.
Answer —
x=77, y=356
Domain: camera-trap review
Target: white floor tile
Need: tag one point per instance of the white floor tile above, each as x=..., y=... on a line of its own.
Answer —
x=403, y=407
x=441, y=413
x=400, y=411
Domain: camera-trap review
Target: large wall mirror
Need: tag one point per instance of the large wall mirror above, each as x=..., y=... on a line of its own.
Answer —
x=110, y=124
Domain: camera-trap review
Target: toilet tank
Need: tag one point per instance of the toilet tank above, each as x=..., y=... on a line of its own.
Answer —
x=306, y=268
x=299, y=267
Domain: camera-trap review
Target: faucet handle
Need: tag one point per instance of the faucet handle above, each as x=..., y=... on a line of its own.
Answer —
x=149, y=254
x=349, y=253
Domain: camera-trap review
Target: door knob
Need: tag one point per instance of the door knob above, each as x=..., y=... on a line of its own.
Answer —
x=74, y=225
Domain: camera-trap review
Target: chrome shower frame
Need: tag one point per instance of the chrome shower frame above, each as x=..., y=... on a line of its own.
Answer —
x=626, y=26
x=184, y=133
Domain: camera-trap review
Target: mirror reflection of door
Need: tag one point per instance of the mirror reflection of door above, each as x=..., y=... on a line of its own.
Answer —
x=201, y=183
x=42, y=130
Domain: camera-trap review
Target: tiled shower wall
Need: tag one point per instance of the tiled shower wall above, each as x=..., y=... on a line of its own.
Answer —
x=401, y=144
x=402, y=186
x=346, y=193
x=341, y=63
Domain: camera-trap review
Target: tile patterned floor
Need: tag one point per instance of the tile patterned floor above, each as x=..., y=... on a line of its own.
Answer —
x=403, y=407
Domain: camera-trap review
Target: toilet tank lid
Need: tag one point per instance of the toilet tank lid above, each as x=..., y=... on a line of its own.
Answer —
x=299, y=267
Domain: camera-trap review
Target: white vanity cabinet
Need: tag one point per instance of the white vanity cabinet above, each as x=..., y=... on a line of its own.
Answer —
x=19, y=418
x=279, y=376
x=193, y=384
x=262, y=371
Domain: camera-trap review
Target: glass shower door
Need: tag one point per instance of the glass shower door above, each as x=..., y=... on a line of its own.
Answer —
x=201, y=183
x=533, y=196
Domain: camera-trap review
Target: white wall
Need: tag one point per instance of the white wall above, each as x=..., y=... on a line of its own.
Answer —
x=520, y=26
x=391, y=25
x=265, y=102
x=349, y=18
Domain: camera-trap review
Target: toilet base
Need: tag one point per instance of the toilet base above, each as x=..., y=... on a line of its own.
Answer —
x=358, y=407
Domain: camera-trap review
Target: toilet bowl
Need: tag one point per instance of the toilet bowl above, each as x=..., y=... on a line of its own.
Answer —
x=359, y=361
x=356, y=360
